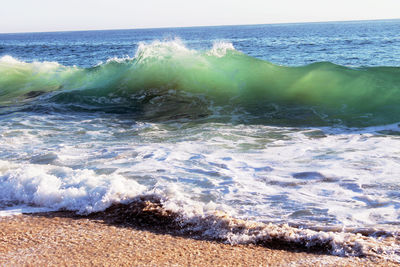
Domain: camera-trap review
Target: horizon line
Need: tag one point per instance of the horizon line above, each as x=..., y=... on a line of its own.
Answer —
x=204, y=26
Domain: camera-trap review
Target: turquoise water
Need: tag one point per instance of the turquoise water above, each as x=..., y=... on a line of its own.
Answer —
x=292, y=124
x=317, y=94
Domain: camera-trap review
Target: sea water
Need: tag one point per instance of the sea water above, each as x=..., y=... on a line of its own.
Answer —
x=252, y=133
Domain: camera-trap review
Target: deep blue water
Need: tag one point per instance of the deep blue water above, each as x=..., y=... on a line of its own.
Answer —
x=359, y=43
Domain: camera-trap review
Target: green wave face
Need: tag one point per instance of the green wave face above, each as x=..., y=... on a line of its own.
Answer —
x=165, y=80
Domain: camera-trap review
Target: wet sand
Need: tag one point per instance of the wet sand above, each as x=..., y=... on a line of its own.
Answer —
x=64, y=239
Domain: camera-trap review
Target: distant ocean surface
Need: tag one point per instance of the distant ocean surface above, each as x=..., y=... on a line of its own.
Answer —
x=285, y=132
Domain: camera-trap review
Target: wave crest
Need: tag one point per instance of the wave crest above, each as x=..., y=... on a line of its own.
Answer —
x=220, y=48
x=320, y=93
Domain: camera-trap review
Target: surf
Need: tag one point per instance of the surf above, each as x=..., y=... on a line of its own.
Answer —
x=167, y=80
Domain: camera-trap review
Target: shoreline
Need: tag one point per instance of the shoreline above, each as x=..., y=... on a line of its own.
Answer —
x=64, y=238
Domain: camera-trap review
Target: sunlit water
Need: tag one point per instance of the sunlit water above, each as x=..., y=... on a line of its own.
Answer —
x=94, y=118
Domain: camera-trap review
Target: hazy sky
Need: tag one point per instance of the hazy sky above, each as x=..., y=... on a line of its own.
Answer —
x=61, y=15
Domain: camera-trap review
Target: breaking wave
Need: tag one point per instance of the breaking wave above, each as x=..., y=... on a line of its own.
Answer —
x=166, y=80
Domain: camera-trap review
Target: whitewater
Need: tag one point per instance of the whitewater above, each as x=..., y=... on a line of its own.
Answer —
x=229, y=145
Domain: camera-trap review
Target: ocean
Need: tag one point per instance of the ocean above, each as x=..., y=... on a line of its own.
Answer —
x=247, y=134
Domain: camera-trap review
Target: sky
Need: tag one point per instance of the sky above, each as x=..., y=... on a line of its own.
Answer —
x=69, y=15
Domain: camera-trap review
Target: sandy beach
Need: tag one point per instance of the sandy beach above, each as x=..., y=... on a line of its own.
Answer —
x=64, y=239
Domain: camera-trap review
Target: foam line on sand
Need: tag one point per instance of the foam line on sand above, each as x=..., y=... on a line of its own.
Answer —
x=62, y=238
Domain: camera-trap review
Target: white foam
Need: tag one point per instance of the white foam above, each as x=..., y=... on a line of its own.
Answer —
x=317, y=178
x=64, y=188
x=220, y=48
x=20, y=209
x=176, y=49
x=7, y=61
x=233, y=231
x=162, y=49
